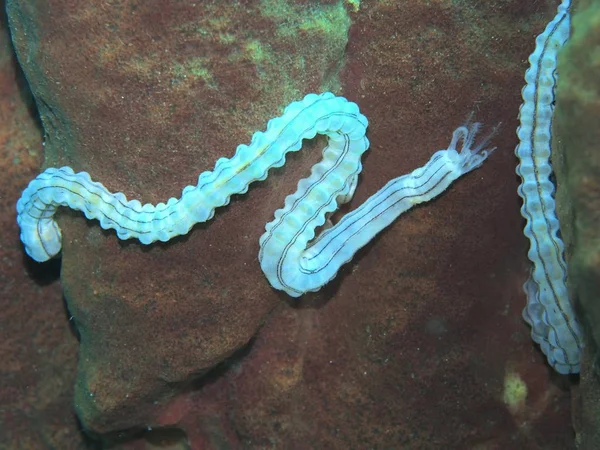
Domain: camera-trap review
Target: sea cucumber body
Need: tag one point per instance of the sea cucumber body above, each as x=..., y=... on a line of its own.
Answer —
x=295, y=263
x=549, y=312
x=290, y=256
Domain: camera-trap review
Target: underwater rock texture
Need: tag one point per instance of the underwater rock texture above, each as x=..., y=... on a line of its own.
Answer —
x=577, y=126
x=419, y=343
x=37, y=346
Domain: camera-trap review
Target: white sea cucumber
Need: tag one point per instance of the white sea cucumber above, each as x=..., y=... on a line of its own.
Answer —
x=553, y=321
x=290, y=257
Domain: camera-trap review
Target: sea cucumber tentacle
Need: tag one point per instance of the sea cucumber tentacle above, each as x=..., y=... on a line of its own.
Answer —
x=289, y=259
x=554, y=324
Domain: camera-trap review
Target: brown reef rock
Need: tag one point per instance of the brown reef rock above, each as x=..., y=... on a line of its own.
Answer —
x=37, y=346
x=577, y=127
x=419, y=342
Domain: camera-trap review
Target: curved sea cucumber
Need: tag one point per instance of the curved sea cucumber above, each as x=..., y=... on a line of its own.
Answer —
x=553, y=321
x=290, y=257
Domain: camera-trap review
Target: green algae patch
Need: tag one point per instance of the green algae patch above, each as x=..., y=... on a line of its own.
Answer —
x=317, y=35
x=194, y=68
x=514, y=392
x=332, y=21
